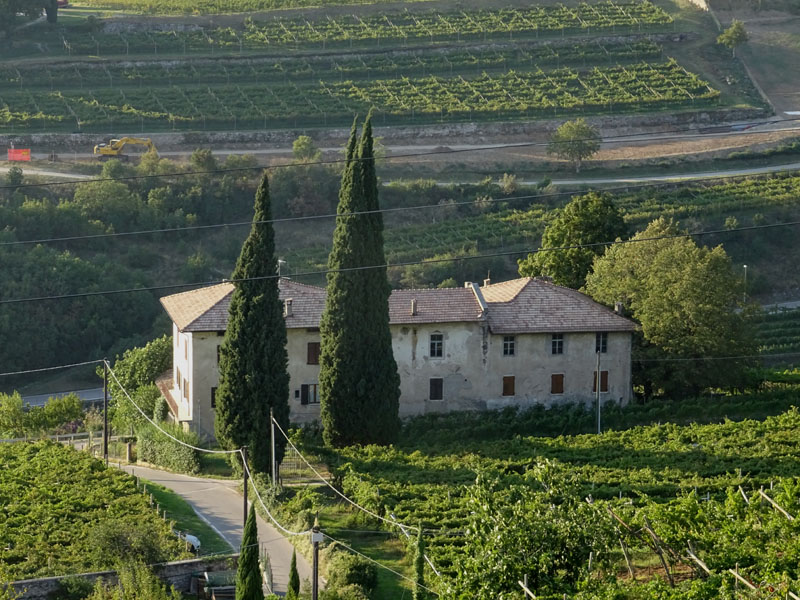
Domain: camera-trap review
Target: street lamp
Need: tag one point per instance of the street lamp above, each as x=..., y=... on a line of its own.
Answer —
x=744, y=292
x=281, y=262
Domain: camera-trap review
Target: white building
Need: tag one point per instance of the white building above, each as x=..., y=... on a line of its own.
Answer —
x=521, y=342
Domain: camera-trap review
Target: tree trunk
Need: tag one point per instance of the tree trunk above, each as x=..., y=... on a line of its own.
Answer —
x=52, y=12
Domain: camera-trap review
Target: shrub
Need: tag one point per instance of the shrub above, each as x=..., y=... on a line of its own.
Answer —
x=346, y=570
x=156, y=448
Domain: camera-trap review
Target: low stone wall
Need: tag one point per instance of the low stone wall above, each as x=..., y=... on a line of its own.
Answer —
x=178, y=573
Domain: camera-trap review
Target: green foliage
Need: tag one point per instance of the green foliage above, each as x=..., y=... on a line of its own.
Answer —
x=248, y=571
x=202, y=160
x=54, y=497
x=136, y=582
x=360, y=387
x=733, y=36
x=588, y=219
x=58, y=413
x=345, y=569
x=419, y=593
x=686, y=298
x=294, y=576
x=575, y=141
x=14, y=176
x=73, y=588
x=304, y=149
x=154, y=447
x=253, y=360
x=115, y=542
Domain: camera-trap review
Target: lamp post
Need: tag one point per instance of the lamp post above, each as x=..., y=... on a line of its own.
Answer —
x=744, y=292
x=281, y=262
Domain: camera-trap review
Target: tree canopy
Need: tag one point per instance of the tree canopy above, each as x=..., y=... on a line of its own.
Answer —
x=360, y=387
x=686, y=298
x=575, y=141
x=252, y=369
x=733, y=36
x=589, y=219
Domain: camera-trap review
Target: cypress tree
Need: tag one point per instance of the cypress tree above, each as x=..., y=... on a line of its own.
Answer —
x=359, y=384
x=294, y=578
x=253, y=373
x=248, y=572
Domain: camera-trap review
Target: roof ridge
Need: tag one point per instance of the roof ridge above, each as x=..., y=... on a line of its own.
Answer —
x=202, y=314
x=568, y=291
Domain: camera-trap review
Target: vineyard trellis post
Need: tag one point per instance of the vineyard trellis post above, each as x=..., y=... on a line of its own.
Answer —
x=105, y=410
x=244, y=487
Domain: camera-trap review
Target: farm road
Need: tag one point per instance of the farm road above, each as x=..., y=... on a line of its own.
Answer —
x=218, y=503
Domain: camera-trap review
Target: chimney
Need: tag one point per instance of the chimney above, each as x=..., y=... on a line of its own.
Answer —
x=287, y=307
x=618, y=307
x=486, y=282
x=413, y=307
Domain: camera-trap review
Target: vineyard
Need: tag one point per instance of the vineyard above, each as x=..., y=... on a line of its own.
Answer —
x=564, y=91
x=779, y=334
x=61, y=506
x=497, y=508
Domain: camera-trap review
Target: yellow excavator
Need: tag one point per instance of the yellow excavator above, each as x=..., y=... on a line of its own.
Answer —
x=113, y=149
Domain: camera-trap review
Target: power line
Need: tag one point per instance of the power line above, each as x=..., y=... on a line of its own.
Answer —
x=277, y=221
x=487, y=148
x=80, y=364
x=395, y=265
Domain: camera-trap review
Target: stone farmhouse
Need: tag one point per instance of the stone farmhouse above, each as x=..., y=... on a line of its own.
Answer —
x=519, y=342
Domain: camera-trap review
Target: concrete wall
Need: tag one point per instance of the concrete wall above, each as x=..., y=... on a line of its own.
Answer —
x=178, y=573
x=472, y=369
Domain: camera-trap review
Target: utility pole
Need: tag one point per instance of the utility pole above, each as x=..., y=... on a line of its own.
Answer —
x=316, y=538
x=105, y=410
x=744, y=291
x=244, y=475
x=272, y=440
x=597, y=386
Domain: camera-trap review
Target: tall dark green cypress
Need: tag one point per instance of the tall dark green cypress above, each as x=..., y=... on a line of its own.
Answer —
x=293, y=590
x=253, y=363
x=248, y=572
x=359, y=385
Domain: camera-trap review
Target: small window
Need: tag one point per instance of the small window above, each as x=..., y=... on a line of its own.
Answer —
x=603, y=381
x=186, y=349
x=601, y=342
x=508, y=385
x=557, y=383
x=436, y=389
x=557, y=343
x=217, y=353
x=213, y=397
x=437, y=345
x=509, y=346
x=309, y=393
x=312, y=353
x=185, y=389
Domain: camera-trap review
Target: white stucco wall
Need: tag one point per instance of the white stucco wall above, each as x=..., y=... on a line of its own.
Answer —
x=472, y=369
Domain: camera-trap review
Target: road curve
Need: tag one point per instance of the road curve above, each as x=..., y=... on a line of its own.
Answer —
x=219, y=504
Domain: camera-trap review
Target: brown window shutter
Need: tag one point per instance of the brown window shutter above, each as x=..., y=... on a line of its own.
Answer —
x=603, y=381
x=508, y=385
x=312, y=353
x=557, y=383
x=304, y=394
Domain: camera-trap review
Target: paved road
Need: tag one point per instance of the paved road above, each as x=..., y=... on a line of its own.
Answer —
x=88, y=396
x=218, y=503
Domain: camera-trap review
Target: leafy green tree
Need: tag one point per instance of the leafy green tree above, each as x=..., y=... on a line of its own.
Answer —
x=358, y=374
x=253, y=359
x=587, y=219
x=575, y=141
x=304, y=149
x=14, y=176
x=12, y=416
x=419, y=592
x=136, y=582
x=294, y=576
x=248, y=571
x=733, y=36
x=687, y=299
x=203, y=160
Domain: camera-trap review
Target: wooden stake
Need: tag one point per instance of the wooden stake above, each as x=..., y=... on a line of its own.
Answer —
x=627, y=558
x=698, y=561
x=526, y=590
x=776, y=505
x=742, y=579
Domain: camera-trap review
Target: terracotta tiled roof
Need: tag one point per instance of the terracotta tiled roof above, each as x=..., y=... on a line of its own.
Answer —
x=447, y=305
x=200, y=310
x=535, y=306
x=518, y=306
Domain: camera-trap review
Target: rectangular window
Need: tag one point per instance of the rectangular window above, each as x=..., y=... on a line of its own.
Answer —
x=309, y=393
x=437, y=345
x=312, y=353
x=217, y=354
x=185, y=389
x=178, y=379
x=213, y=397
x=186, y=348
x=603, y=381
x=436, y=389
x=508, y=385
x=557, y=343
x=557, y=383
x=509, y=345
x=601, y=343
